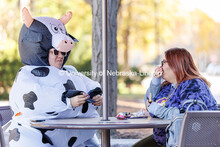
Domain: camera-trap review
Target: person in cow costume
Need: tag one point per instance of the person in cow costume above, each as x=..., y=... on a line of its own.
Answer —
x=46, y=89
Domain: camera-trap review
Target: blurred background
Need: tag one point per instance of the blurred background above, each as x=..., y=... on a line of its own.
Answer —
x=146, y=28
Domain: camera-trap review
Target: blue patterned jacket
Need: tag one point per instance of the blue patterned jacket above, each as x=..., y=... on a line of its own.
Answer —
x=175, y=97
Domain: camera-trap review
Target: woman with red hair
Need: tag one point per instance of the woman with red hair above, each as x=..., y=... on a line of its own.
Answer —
x=181, y=82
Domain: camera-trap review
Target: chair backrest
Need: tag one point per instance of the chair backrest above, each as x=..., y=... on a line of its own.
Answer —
x=218, y=106
x=5, y=116
x=200, y=129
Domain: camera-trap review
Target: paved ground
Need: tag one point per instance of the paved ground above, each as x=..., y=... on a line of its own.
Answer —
x=4, y=103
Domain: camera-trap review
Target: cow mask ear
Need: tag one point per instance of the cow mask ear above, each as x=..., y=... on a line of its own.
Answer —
x=26, y=17
x=66, y=18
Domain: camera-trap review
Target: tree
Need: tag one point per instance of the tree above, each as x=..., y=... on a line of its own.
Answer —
x=9, y=57
x=113, y=6
x=125, y=31
x=144, y=25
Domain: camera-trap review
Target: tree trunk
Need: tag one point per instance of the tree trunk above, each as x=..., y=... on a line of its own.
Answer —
x=126, y=34
x=111, y=49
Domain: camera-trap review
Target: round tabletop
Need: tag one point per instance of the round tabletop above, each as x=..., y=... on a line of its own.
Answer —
x=98, y=123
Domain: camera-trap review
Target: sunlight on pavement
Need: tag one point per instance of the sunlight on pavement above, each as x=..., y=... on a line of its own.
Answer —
x=4, y=103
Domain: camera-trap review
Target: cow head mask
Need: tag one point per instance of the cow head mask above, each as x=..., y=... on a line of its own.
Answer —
x=38, y=35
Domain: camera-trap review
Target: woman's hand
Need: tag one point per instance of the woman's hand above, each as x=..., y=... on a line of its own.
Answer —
x=148, y=102
x=98, y=100
x=158, y=72
x=78, y=100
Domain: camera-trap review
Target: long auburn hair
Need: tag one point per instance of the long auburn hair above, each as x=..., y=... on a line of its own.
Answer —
x=182, y=64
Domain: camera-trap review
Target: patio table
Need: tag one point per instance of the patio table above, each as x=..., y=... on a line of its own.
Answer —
x=98, y=123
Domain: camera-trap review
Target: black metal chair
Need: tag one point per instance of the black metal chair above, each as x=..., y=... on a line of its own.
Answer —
x=5, y=116
x=200, y=129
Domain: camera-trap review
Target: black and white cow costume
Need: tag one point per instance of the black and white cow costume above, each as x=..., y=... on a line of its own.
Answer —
x=38, y=92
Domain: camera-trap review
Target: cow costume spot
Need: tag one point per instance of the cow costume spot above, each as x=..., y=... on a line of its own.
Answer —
x=72, y=141
x=85, y=107
x=39, y=92
x=29, y=100
x=69, y=85
x=45, y=138
x=40, y=71
x=52, y=113
x=14, y=134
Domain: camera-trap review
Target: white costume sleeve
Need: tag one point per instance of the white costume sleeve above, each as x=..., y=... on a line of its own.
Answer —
x=90, y=84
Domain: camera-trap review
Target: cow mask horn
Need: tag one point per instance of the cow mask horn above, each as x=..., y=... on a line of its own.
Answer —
x=26, y=17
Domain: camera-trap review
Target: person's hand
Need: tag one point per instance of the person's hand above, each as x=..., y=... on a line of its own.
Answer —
x=158, y=72
x=98, y=100
x=78, y=100
x=148, y=103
